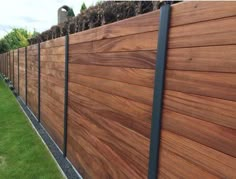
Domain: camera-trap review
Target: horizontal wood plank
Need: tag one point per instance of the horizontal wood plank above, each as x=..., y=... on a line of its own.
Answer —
x=212, y=58
x=218, y=111
x=142, y=77
x=215, y=136
x=143, y=41
x=217, y=85
x=53, y=43
x=134, y=92
x=77, y=102
x=215, y=163
x=136, y=111
x=182, y=13
x=100, y=141
x=53, y=51
x=137, y=59
x=52, y=58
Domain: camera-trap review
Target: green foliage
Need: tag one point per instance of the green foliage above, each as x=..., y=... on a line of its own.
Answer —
x=83, y=7
x=34, y=34
x=16, y=38
x=4, y=46
x=70, y=13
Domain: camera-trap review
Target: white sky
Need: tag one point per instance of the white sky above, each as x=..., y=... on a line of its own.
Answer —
x=34, y=14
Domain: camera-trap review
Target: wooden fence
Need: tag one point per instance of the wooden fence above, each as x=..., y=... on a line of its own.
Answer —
x=105, y=128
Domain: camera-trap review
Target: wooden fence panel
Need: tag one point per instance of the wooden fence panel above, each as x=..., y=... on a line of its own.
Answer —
x=22, y=73
x=52, y=80
x=198, y=125
x=16, y=70
x=111, y=77
x=111, y=81
x=1, y=63
x=32, y=78
x=11, y=64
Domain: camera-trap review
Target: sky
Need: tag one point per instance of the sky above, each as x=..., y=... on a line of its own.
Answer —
x=34, y=14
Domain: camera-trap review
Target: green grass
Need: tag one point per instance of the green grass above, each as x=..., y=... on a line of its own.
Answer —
x=22, y=153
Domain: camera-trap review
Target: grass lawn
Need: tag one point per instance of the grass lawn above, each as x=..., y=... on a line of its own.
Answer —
x=22, y=153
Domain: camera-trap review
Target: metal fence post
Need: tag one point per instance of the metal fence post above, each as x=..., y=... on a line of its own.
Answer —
x=66, y=93
x=39, y=71
x=158, y=91
x=26, y=82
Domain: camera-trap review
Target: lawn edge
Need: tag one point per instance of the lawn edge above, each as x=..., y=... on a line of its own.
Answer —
x=64, y=165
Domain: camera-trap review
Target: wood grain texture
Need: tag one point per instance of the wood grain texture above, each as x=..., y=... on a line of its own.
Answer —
x=217, y=137
x=177, y=155
x=143, y=41
x=140, y=126
x=52, y=90
x=60, y=50
x=217, y=111
x=60, y=66
x=134, y=92
x=53, y=43
x=215, y=85
x=106, y=143
x=199, y=11
x=142, y=77
x=182, y=13
x=134, y=110
x=134, y=25
x=52, y=58
x=15, y=71
x=32, y=79
x=22, y=73
x=53, y=125
x=137, y=59
x=203, y=34
x=211, y=59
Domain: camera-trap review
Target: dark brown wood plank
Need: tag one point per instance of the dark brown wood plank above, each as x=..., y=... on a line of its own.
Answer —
x=182, y=13
x=136, y=111
x=101, y=138
x=143, y=41
x=212, y=58
x=52, y=58
x=53, y=51
x=218, y=111
x=53, y=72
x=60, y=66
x=134, y=92
x=53, y=80
x=22, y=73
x=138, y=59
x=205, y=160
x=53, y=43
x=217, y=85
x=53, y=124
x=77, y=102
x=215, y=136
x=139, y=24
x=198, y=11
x=203, y=34
x=142, y=77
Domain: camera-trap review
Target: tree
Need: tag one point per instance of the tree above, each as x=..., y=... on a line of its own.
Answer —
x=4, y=46
x=83, y=7
x=16, y=38
x=70, y=12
